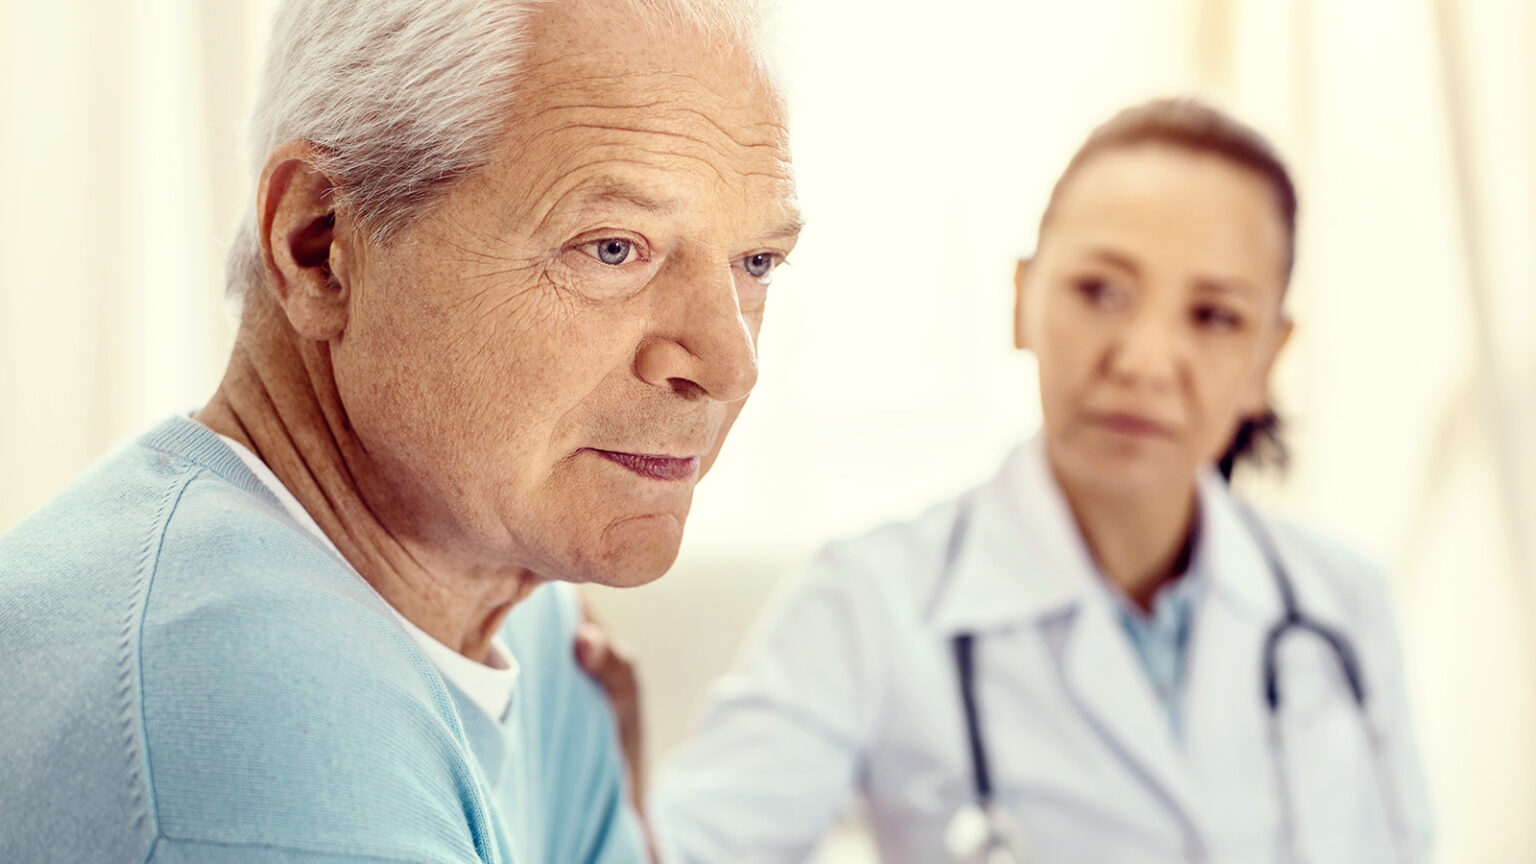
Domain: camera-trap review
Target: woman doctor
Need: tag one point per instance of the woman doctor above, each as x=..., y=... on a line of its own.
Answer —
x=1101, y=655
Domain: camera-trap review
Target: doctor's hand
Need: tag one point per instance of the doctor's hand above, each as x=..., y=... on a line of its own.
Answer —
x=613, y=669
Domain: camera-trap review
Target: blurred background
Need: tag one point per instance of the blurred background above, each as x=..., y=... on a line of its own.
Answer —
x=926, y=138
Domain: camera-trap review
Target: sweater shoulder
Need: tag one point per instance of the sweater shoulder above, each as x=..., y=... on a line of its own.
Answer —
x=282, y=702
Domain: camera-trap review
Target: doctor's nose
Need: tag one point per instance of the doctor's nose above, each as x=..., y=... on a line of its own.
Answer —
x=701, y=345
x=1149, y=351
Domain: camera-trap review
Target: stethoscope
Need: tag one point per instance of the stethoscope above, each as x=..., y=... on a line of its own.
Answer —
x=981, y=832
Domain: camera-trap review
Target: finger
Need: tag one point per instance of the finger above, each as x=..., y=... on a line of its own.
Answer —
x=615, y=676
x=592, y=648
x=584, y=611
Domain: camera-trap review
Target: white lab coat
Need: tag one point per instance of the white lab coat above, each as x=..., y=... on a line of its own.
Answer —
x=848, y=687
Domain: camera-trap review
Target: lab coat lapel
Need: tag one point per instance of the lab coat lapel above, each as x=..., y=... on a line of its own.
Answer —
x=1225, y=714
x=1240, y=574
x=1022, y=560
x=1102, y=677
x=1007, y=562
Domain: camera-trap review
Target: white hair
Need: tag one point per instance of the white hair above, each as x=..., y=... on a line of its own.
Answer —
x=404, y=97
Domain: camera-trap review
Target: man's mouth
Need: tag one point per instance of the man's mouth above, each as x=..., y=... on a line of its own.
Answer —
x=664, y=468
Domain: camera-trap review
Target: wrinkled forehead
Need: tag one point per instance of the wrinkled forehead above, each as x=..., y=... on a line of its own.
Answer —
x=605, y=90
x=603, y=57
x=612, y=35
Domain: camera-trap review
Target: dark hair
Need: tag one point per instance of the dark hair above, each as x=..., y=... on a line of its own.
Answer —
x=1192, y=125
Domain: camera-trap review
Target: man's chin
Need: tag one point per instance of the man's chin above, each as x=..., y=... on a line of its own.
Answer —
x=634, y=551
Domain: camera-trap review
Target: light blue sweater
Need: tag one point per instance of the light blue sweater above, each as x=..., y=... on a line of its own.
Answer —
x=187, y=675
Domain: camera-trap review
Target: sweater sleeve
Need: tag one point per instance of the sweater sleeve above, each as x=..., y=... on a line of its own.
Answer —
x=284, y=710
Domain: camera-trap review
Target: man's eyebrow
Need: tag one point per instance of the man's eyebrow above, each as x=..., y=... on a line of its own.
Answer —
x=788, y=229
x=611, y=190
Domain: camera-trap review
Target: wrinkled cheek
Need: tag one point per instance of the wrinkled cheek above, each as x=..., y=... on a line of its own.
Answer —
x=381, y=387
x=511, y=374
x=732, y=411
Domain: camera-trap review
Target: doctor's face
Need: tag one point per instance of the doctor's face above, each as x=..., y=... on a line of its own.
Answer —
x=1153, y=307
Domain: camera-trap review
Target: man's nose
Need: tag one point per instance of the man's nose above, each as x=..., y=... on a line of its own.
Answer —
x=1150, y=350
x=701, y=345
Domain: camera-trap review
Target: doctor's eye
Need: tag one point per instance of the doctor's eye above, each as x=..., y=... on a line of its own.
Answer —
x=760, y=265
x=1216, y=318
x=612, y=251
x=1098, y=291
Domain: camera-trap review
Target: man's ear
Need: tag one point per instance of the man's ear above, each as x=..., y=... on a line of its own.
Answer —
x=1020, y=280
x=297, y=228
x=1256, y=400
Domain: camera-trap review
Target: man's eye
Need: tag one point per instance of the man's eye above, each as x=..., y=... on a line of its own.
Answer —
x=760, y=265
x=611, y=250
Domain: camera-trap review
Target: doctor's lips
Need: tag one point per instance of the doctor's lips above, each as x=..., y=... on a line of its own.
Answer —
x=668, y=468
x=1130, y=424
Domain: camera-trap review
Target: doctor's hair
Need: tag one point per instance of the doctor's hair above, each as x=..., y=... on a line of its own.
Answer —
x=1196, y=127
x=1259, y=441
x=404, y=98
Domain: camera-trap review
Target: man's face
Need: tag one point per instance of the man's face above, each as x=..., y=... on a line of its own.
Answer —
x=546, y=364
x=1153, y=308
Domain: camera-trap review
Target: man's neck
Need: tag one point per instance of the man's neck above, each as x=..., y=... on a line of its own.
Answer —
x=1140, y=544
x=278, y=399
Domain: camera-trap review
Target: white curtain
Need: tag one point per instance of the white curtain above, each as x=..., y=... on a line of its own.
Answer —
x=1483, y=670
x=120, y=161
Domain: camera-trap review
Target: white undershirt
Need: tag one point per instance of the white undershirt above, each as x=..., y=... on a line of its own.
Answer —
x=488, y=685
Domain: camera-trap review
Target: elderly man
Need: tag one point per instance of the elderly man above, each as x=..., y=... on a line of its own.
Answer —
x=501, y=285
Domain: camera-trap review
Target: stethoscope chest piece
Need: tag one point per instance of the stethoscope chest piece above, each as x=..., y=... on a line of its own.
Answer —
x=983, y=834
